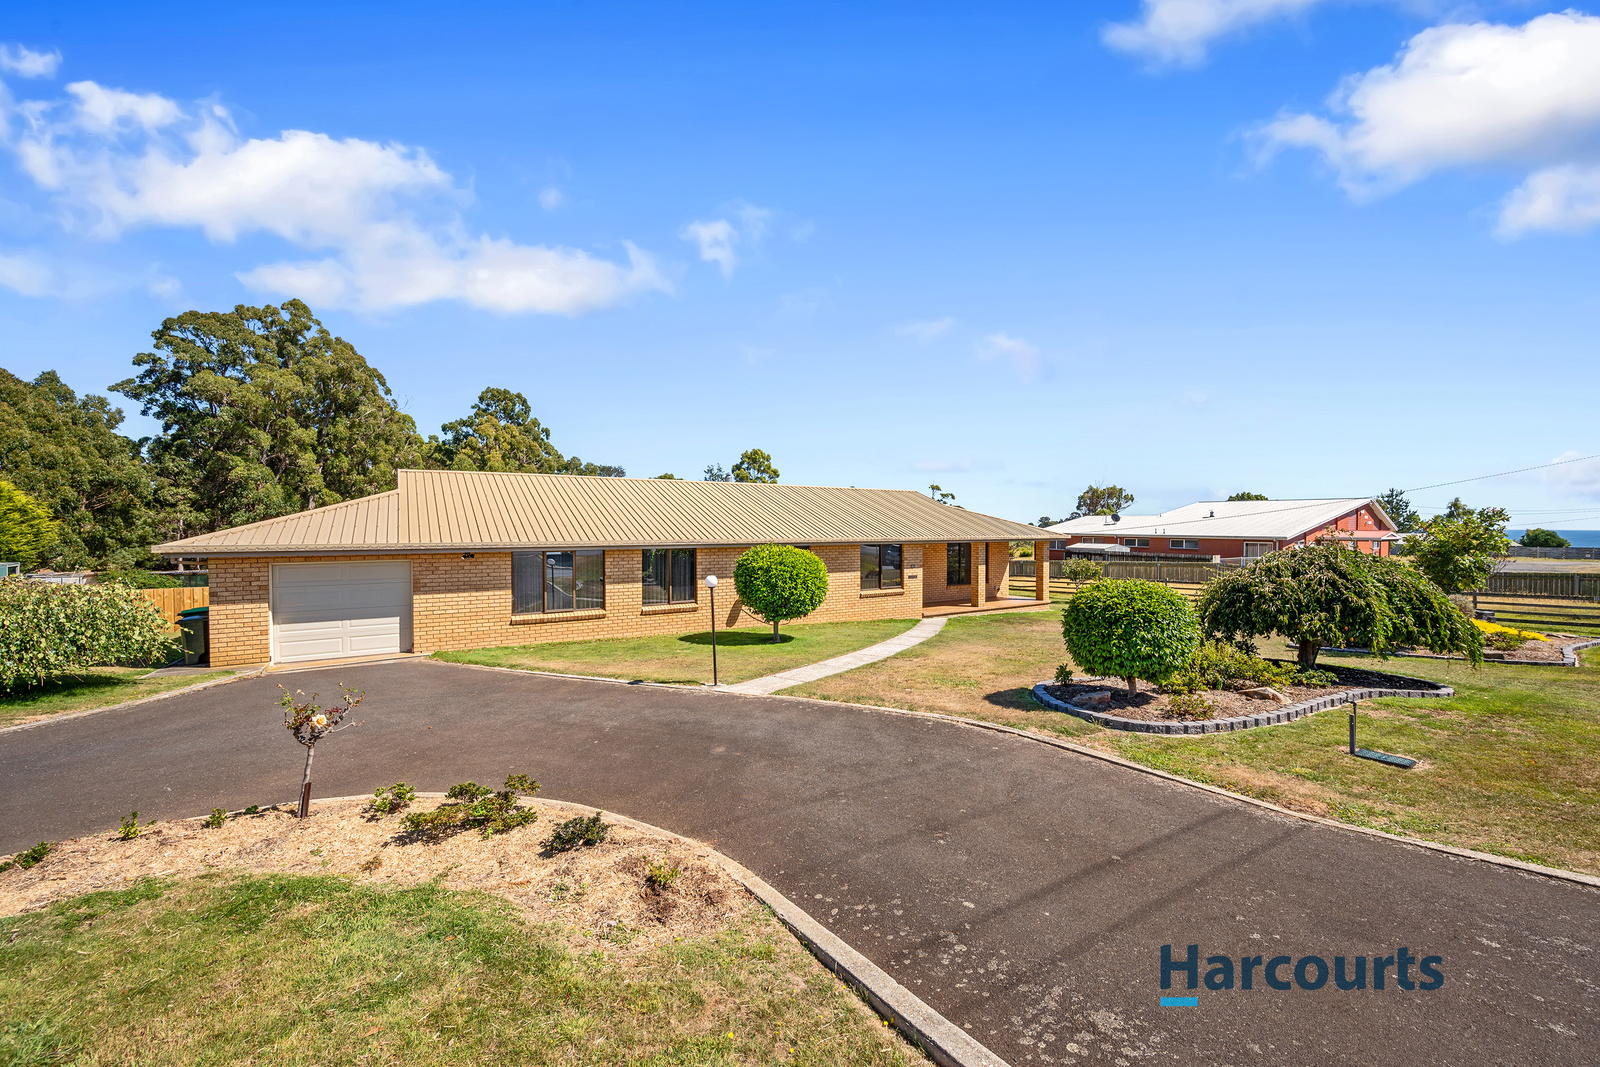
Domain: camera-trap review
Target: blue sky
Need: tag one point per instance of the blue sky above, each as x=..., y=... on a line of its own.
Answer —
x=1297, y=247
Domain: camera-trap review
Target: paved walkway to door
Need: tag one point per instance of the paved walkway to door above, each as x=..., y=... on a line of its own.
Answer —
x=839, y=664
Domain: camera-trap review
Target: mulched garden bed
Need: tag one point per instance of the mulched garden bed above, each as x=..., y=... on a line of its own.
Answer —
x=1152, y=705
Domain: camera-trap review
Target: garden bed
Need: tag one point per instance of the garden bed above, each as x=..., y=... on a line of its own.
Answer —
x=599, y=889
x=1154, y=715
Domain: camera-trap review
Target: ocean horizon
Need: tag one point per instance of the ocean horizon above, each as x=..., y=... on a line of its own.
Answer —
x=1579, y=538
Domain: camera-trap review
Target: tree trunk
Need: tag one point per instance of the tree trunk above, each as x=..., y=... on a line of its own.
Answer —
x=774, y=633
x=305, y=784
x=1133, y=686
x=1309, y=647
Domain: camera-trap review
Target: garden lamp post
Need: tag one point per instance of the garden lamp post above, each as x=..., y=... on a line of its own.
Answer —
x=711, y=586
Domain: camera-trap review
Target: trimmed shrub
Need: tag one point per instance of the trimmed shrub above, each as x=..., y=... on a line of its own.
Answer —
x=1130, y=629
x=48, y=629
x=574, y=833
x=1221, y=666
x=780, y=582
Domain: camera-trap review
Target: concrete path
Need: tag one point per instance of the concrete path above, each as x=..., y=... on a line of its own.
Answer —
x=839, y=664
x=1022, y=891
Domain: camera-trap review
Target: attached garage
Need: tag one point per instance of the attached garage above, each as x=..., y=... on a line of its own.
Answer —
x=333, y=610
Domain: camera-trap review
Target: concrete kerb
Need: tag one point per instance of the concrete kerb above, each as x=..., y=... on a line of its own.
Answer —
x=253, y=672
x=940, y=1039
x=1287, y=713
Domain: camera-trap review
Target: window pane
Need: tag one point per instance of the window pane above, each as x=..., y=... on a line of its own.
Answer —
x=655, y=576
x=869, y=567
x=958, y=564
x=682, y=575
x=889, y=560
x=589, y=579
x=527, y=582
x=558, y=581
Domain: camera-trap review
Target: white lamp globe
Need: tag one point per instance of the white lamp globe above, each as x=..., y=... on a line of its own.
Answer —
x=711, y=581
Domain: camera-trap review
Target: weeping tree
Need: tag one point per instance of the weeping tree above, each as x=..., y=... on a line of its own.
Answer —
x=1326, y=594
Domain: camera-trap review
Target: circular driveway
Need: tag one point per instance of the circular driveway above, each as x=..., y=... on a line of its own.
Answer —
x=1023, y=891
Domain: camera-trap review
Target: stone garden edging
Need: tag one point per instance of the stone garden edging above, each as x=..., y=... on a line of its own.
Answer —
x=1283, y=714
x=1569, y=655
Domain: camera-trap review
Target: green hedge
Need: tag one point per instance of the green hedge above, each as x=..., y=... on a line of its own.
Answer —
x=48, y=629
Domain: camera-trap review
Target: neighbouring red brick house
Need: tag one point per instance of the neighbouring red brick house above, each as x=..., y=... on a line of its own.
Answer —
x=1234, y=529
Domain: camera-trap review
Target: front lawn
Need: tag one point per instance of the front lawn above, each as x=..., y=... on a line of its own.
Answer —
x=307, y=969
x=1510, y=765
x=686, y=658
x=97, y=687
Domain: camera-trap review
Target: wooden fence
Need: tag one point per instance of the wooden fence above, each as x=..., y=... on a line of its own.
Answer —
x=172, y=601
x=1184, y=573
x=1567, y=615
x=1547, y=585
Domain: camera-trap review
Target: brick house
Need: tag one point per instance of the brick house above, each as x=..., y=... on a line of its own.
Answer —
x=454, y=559
x=1233, y=529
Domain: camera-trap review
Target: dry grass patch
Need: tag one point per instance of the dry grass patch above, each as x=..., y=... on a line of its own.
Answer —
x=333, y=940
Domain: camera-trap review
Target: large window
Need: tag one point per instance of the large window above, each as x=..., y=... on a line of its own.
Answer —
x=958, y=564
x=880, y=567
x=558, y=581
x=669, y=576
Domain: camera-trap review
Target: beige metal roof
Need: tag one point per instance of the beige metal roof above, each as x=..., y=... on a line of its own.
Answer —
x=1281, y=520
x=461, y=510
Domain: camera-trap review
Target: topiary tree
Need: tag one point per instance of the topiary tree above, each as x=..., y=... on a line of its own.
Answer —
x=1130, y=629
x=780, y=582
x=1326, y=594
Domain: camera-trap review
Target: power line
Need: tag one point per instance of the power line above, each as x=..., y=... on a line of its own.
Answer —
x=1502, y=474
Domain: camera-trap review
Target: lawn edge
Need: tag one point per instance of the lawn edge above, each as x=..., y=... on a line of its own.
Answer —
x=64, y=716
x=1082, y=750
x=938, y=1038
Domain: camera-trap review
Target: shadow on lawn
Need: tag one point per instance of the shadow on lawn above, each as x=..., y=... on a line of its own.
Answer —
x=734, y=638
x=57, y=686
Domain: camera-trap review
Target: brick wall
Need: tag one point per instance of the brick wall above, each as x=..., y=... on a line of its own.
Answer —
x=935, y=591
x=466, y=603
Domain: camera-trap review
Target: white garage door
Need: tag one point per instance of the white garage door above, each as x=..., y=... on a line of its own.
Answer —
x=327, y=610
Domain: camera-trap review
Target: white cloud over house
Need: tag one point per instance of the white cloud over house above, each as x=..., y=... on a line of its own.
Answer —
x=1023, y=357
x=1470, y=95
x=382, y=223
x=1180, y=31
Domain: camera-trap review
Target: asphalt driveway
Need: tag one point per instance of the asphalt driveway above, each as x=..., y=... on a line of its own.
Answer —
x=1023, y=891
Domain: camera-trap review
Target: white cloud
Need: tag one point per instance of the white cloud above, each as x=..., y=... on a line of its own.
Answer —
x=1464, y=95
x=24, y=62
x=1178, y=31
x=385, y=216
x=927, y=331
x=1579, y=477
x=719, y=240
x=551, y=198
x=1565, y=198
x=1024, y=357
x=716, y=240
x=26, y=275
